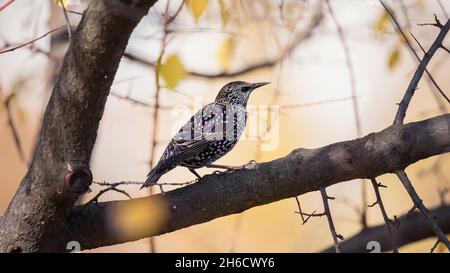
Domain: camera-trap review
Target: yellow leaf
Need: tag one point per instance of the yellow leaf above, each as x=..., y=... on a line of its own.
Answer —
x=394, y=59
x=65, y=2
x=172, y=71
x=197, y=7
x=382, y=24
x=226, y=52
x=224, y=13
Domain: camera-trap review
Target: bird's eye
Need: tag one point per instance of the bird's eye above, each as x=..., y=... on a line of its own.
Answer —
x=245, y=89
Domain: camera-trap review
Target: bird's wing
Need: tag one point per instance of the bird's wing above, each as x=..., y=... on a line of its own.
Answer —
x=195, y=136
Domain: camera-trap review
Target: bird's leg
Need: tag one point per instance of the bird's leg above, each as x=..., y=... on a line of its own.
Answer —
x=195, y=173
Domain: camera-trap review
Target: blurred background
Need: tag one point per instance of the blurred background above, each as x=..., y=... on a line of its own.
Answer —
x=310, y=103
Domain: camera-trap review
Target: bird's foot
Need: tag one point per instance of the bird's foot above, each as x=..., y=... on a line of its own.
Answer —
x=252, y=164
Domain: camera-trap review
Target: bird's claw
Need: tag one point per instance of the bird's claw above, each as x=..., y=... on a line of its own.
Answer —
x=251, y=165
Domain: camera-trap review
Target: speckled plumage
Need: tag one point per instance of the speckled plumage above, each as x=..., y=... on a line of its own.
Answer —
x=209, y=134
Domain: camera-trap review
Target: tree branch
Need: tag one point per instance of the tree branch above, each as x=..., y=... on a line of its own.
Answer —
x=327, y=212
x=287, y=51
x=413, y=227
x=403, y=106
x=302, y=171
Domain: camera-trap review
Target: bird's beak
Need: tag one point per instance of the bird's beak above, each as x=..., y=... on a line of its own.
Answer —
x=259, y=84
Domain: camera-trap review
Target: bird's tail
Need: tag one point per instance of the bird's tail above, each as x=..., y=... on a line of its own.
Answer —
x=153, y=176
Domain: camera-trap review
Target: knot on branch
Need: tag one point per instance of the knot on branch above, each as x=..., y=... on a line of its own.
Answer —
x=13, y=249
x=78, y=179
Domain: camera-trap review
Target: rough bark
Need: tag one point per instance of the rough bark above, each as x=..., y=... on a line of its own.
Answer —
x=60, y=168
x=413, y=227
x=302, y=171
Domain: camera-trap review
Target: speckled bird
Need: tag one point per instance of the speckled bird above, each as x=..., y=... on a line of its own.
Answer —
x=209, y=134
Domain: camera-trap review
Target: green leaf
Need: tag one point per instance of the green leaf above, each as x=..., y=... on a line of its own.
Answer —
x=197, y=7
x=172, y=71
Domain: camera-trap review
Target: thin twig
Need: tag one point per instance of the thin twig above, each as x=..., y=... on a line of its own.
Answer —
x=271, y=62
x=13, y=128
x=108, y=184
x=387, y=221
x=308, y=215
x=419, y=204
x=405, y=13
x=301, y=105
x=446, y=49
x=300, y=211
x=421, y=69
x=100, y=193
x=418, y=43
x=131, y=100
x=327, y=212
x=434, y=246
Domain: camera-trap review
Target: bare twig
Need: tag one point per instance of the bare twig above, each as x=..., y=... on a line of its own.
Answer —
x=419, y=204
x=351, y=74
x=444, y=11
x=300, y=211
x=422, y=62
x=308, y=215
x=437, y=23
x=414, y=228
x=12, y=126
x=287, y=51
x=446, y=49
x=30, y=42
x=327, y=212
x=405, y=13
x=301, y=105
x=433, y=248
x=131, y=100
x=74, y=12
x=110, y=188
x=419, y=44
x=108, y=184
x=412, y=87
x=387, y=221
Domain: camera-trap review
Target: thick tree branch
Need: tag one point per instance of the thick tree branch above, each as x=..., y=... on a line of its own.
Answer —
x=59, y=172
x=413, y=227
x=302, y=171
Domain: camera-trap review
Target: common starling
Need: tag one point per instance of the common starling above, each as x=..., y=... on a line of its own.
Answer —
x=209, y=134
